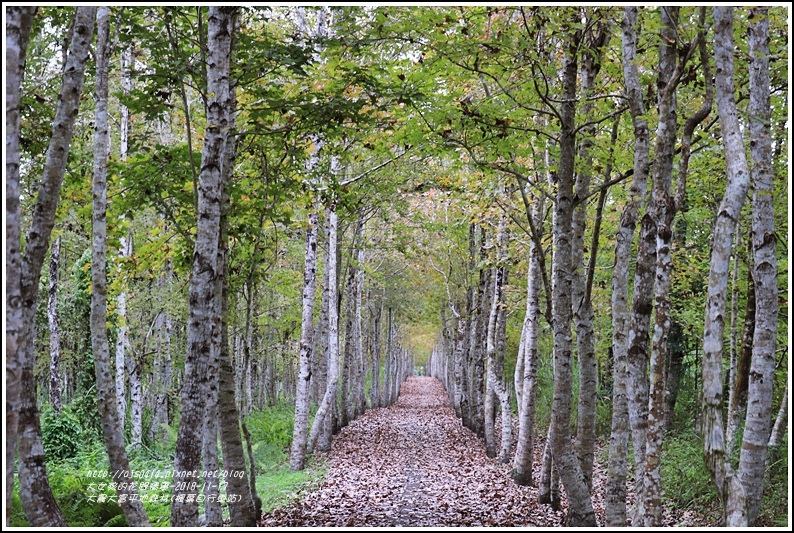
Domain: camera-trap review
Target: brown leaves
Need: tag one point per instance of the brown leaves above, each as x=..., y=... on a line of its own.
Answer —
x=413, y=464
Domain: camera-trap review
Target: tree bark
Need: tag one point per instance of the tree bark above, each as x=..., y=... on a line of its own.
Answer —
x=525, y=453
x=52, y=319
x=728, y=485
x=122, y=341
x=663, y=210
x=18, y=23
x=619, y=437
x=752, y=460
x=329, y=398
x=38, y=502
x=111, y=428
x=781, y=421
x=580, y=508
x=201, y=291
x=738, y=380
x=581, y=289
x=302, y=392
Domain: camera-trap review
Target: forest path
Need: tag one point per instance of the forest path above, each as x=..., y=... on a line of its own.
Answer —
x=414, y=464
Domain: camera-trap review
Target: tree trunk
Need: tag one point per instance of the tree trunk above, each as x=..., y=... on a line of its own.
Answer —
x=525, y=453
x=741, y=378
x=729, y=487
x=781, y=421
x=52, y=319
x=580, y=508
x=619, y=437
x=302, y=397
x=242, y=504
x=18, y=23
x=324, y=410
x=345, y=389
x=581, y=290
x=38, y=502
x=663, y=210
x=752, y=460
x=242, y=511
x=549, y=489
x=122, y=341
x=213, y=516
x=201, y=291
x=111, y=428
x=376, y=312
x=359, y=399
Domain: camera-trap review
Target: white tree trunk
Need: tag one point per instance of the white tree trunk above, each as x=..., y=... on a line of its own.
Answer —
x=18, y=23
x=39, y=504
x=781, y=421
x=202, y=289
x=324, y=410
x=302, y=392
x=122, y=341
x=52, y=319
x=752, y=460
x=111, y=428
x=619, y=437
x=523, y=460
x=728, y=485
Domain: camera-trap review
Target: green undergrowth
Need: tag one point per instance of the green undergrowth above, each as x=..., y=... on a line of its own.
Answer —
x=271, y=438
x=77, y=467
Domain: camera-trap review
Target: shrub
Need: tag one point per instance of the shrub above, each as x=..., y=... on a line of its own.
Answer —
x=60, y=434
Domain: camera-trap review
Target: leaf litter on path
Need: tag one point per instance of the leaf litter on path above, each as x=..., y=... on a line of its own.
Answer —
x=413, y=464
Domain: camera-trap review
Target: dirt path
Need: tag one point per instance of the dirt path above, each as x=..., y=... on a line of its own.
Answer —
x=413, y=464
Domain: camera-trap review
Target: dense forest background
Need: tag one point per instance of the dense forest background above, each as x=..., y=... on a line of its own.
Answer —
x=230, y=231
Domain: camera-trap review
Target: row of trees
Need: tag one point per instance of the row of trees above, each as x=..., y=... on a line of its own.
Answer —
x=569, y=144
x=427, y=161
x=217, y=305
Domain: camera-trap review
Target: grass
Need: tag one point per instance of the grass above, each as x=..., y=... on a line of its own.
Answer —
x=76, y=489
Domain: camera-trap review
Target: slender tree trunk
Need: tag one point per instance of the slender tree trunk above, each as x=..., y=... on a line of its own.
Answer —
x=637, y=360
x=242, y=511
x=525, y=453
x=376, y=312
x=728, y=485
x=663, y=211
x=359, y=399
x=580, y=508
x=619, y=438
x=52, y=318
x=781, y=421
x=18, y=23
x=321, y=341
x=345, y=386
x=122, y=341
x=38, y=502
x=302, y=396
x=741, y=378
x=496, y=383
x=388, y=368
x=734, y=340
x=243, y=506
x=581, y=290
x=329, y=398
x=752, y=460
x=111, y=428
x=201, y=291
x=549, y=489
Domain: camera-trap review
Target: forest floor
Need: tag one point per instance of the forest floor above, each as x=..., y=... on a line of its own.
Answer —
x=414, y=464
